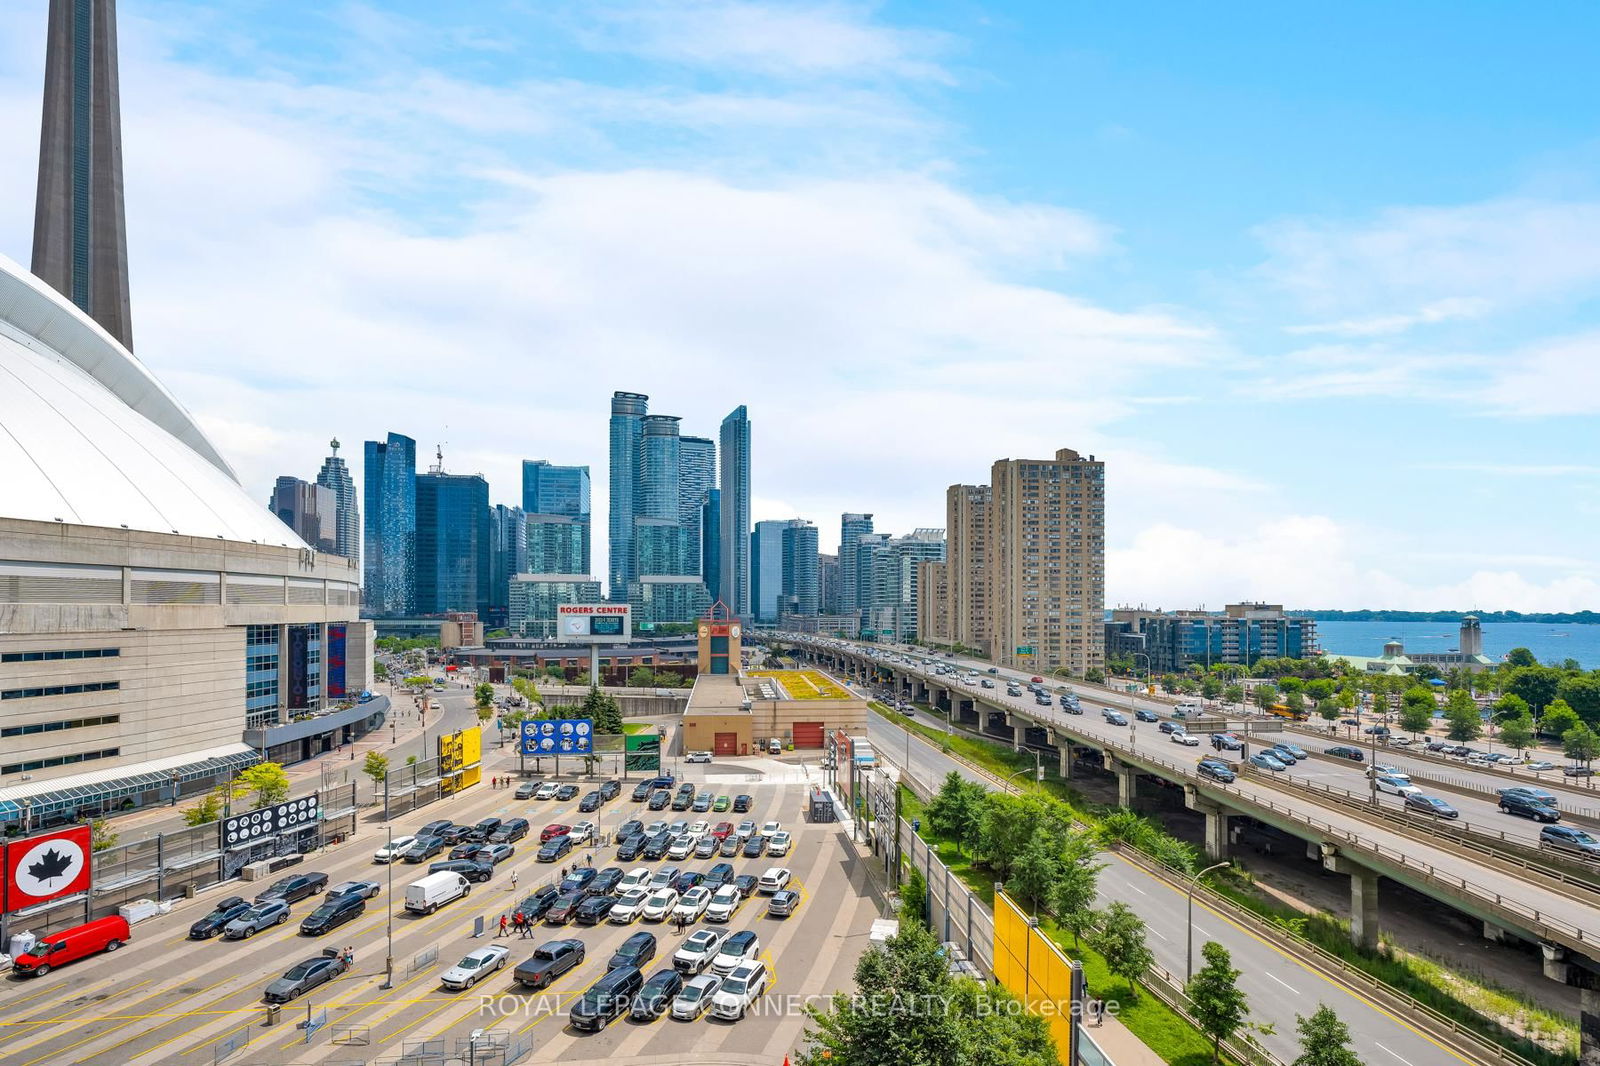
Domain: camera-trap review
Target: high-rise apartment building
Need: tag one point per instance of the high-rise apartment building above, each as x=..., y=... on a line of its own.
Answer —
x=660, y=464
x=801, y=593
x=851, y=528
x=452, y=568
x=1046, y=563
x=697, y=474
x=389, y=488
x=967, y=532
x=711, y=543
x=535, y=597
x=556, y=544
x=508, y=556
x=628, y=410
x=550, y=489
x=828, y=583
x=1170, y=641
x=887, y=580
x=735, y=511
x=309, y=510
x=934, y=602
x=766, y=569
x=335, y=476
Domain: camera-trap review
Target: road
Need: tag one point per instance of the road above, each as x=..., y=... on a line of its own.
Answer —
x=165, y=999
x=1278, y=986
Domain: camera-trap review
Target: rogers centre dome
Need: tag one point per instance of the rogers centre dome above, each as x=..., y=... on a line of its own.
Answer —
x=89, y=436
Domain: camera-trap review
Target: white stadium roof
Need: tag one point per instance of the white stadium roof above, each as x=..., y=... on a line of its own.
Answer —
x=89, y=436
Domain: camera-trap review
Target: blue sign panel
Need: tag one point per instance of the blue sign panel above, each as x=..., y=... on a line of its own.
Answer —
x=566, y=736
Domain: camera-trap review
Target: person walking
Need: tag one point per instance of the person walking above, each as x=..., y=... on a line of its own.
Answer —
x=502, y=926
x=513, y=880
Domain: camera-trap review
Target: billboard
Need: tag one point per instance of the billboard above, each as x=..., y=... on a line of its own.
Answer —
x=460, y=760
x=1028, y=964
x=594, y=623
x=43, y=868
x=561, y=736
x=299, y=653
x=333, y=663
x=251, y=826
x=643, y=751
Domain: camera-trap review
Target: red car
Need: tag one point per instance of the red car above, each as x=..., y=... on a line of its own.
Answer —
x=1037, y=680
x=722, y=830
x=550, y=832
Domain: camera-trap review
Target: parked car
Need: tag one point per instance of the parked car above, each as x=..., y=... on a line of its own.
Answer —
x=698, y=950
x=655, y=996
x=706, y=847
x=778, y=844
x=630, y=901
x=742, y=803
x=455, y=834
x=739, y=989
x=494, y=854
x=659, y=800
x=527, y=789
x=636, y=951
x=720, y=874
x=333, y=912
x=581, y=879
x=428, y=894
x=1423, y=803
x=659, y=905
x=434, y=828
x=754, y=847
x=702, y=802
x=225, y=911
x=481, y=831
x=739, y=948
x=295, y=887
x=547, y=791
x=471, y=869
x=1540, y=765
x=263, y=915
x=565, y=907
x=304, y=976
x=695, y=997
x=697, y=756
x=783, y=903
x=606, y=999
x=606, y=880
x=79, y=942
x=474, y=966
x=590, y=802
x=731, y=846
x=554, y=848
x=392, y=850
x=566, y=792
x=535, y=907
x=423, y=848
x=775, y=879
x=549, y=961
x=550, y=832
x=610, y=790
x=512, y=829
x=692, y=904
x=686, y=880
x=725, y=902
x=594, y=910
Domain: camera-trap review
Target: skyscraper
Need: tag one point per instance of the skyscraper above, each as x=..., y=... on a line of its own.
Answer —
x=335, y=476
x=80, y=240
x=556, y=544
x=766, y=570
x=802, y=592
x=508, y=557
x=627, y=413
x=1046, y=565
x=711, y=543
x=851, y=528
x=660, y=464
x=735, y=511
x=309, y=510
x=555, y=500
x=389, y=485
x=967, y=614
x=453, y=543
x=697, y=473
x=828, y=583
x=888, y=575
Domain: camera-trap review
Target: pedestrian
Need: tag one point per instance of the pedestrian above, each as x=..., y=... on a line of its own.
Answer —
x=513, y=880
x=502, y=925
x=563, y=873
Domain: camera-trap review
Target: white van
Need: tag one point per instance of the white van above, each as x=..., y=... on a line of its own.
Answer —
x=434, y=891
x=774, y=746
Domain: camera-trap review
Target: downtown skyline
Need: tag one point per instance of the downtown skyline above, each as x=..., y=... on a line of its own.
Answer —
x=1243, y=366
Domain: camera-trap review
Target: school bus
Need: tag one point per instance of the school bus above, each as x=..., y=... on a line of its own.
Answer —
x=1282, y=710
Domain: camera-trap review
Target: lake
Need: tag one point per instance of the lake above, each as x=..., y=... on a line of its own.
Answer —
x=1548, y=642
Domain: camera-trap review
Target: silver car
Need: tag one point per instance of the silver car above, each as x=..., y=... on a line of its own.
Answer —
x=695, y=997
x=305, y=976
x=261, y=916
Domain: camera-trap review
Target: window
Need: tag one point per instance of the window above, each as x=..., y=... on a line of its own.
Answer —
x=59, y=690
x=63, y=653
x=60, y=760
x=52, y=727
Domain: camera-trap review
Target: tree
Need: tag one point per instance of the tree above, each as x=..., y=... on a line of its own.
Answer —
x=101, y=835
x=1558, y=718
x=1536, y=684
x=483, y=695
x=380, y=670
x=604, y=710
x=1034, y=870
x=1233, y=694
x=1119, y=938
x=1266, y=696
x=1581, y=744
x=1517, y=733
x=1414, y=719
x=1466, y=723
x=1520, y=657
x=376, y=767
x=1582, y=693
x=1324, y=1039
x=1510, y=706
x=1210, y=686
x=1214, y=997
x=1328, y=709
x=266, y=780
x=945, y=809
x=1073, y=893
x=208, y=808
x=1296, y=702
x=1095, y=676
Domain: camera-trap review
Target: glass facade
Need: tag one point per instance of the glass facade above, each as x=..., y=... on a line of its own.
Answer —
x=390, y=491
x=852, y=527
x=548, y=489
x=335, y=475
x=661, y=546
x=508, y=556
x=452, y=543
x=711, y=543
x=556, y=544
x=734, y=482
x=802, y=592
x=660, y=599
x=627, y=413
x=697, y=473
x=766, y=569
x=534, y=601
x=261, y=673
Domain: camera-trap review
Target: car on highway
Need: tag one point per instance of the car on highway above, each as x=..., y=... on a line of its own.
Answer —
x=1395, y=784
x=630, y=901
x=692, y=904
x=393, y=850
x=1036, y=680
x=1376, y=731
x=295, y=887
x=1524, y=805
x=1422, y=803
x=554, y=848
x=659, y=905
x=1146, y=716
x=737, y=949
x=1226, y=742
x=566, y=792
x=548, y=961
x=783, y=903
x=225, y=911
x=1568, y=838
x=1266, y=761
x=695, y=997
x=1170, y=727
x=1538, y=795
x=1540, y=765
x=539, y=903
x=698, y=950
x=1577, y=771
x=474, y=966
x=1283, y=755
x=1178, y=736
x=260, y=916
x=304, y=976
x=635, y=951
x=527, y=790
x=471, y=869
x=774, y=880
x=725, y=902
x=739, y=989
x=1114, y=717
x=1293, y=749
x=594, y=910
x=547, y=791
x=1344, y=751
x=1216, y=769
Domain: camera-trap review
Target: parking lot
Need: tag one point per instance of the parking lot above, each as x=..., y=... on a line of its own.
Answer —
x=166, y=998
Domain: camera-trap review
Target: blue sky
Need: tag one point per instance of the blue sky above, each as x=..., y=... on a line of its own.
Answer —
x=1317, y=284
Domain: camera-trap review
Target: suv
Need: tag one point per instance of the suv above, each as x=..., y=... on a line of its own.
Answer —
x=739, y=989
x=1226, y=742
x=511, y=829
x=1566, y=838
x=295, y=888
x=610, y=790
x=1217, y=770
x=636, y=951
x=331, y=913
x=1521, y=803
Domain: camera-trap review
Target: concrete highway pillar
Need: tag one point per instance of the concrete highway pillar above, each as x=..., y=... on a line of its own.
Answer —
x=1017, y=728
x=1127, y=784
x=1218, y=824
x=1364, y=908
x=1495, y=933
x=1064, y=751
x=1589, y=1023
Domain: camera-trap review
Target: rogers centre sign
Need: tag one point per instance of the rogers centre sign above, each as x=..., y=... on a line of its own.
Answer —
x=592, y=608
x=594, y=623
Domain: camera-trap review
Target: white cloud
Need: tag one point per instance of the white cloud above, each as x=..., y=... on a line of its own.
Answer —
x=1438, y=311
x=1559, y=376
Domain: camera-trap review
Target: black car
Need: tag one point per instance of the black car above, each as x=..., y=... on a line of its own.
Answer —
x=554, y=848
x=755, y=847
x=423, y=848
x=535, y=906
x=652, y=1001
x=631, y=848
x=224, y=912
x=720, y=874
x=1342, y=751
x=295, y=887
x=659, y=800
x=465, y=850
x=594, y=910
x=483, y=829
x=566, y=905
x=635, y=951
x=332, y=913
x=433, y=829
x=746, y=884
x=566, y=792
x=656, y=847
x=641, y=792
x=511, y=829
x=549, y=961
x=1528, y=807
x=628, y=829
x=683, y=801
x=471, y=869
x=1146, y=716
x=1217, y=770
x=610, y=790
x=741, y=804
x=687, y=880
x=606, y=879
x=580, y=880
x=589, y=803
x=455, y=834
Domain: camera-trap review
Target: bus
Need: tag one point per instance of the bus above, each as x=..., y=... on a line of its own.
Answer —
x=1281, y=710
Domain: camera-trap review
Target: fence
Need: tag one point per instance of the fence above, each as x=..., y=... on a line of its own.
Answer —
x=954, y=913
x=405, y=788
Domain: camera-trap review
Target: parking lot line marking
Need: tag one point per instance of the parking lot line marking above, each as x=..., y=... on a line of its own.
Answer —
x=97, y=1036
x=68, y=1015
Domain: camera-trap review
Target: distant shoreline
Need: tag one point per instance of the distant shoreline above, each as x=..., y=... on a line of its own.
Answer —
x=1487, y=617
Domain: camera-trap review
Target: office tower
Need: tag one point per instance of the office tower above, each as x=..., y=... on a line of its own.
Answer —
x=1046, y=588
x=627, y=414
x=967, y=526
x=549, y=489
x=711, y=543
x=555, y=544
x=766, y=570
x=508, y=556
x=452, y=543
x=309, y=510
x=697, y=473
x=389, y=488
x=660, y=463
x=735, y=511
x=661, y=546
x=851, y=528
x=80, y=240
x=828, y=583
x=335, y=476
x=802, y=593
x=535, y=597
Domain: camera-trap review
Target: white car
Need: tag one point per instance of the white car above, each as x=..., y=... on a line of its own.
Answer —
x=699, y=829
x=547, y=791
x=1480, y=761
x=739, y=989
x=738, y=949
x=682, y=846
x=698, y=951
x=628, y=906
x=692, y=904
x=775, y=879
x=1386, y=770
x=637, y=877
x=391, y=851
x=695, y=997
x=1180, y=737
x=769, y=828
x=582, y=832
x=659, y=905
x=697, y=756
x=724, y=903
x=778, y=845
x=1399, y=785
x=475, y=966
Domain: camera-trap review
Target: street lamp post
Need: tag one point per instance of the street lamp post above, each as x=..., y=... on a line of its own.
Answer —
x=388, y=962
x=1194, y=883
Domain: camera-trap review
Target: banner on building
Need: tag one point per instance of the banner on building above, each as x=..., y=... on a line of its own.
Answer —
x=299, y=653
x=240, y=830
x=334, y=662
x=42, y=868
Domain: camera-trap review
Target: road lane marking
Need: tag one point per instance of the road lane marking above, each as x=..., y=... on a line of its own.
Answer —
x=1284, y=983
x=1378, y=1045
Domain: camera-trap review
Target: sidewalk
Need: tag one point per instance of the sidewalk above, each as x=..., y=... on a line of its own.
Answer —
x=1121, y=1047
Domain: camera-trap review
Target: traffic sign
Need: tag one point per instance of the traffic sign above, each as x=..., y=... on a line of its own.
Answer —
x=1274, y=726
x=1212, y=726
x=558, y=736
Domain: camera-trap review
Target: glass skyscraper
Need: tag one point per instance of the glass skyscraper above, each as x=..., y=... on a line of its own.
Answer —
x=697, y=473
x=660, y=463
x=711, y=543
x=390, y=490
x=335, y=475
x=453, y=572
x=556, y=544
x=555, y=499
x=802, y=591
x=734, y=581
x=548, y=489
x=852, y=527
x=508, y=556
x=766, y=569
x=627, y=414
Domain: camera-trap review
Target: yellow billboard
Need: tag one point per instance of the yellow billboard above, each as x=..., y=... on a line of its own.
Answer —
x=1030, y=966
x=460, y=760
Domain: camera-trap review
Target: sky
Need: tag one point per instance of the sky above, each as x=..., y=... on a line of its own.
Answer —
x=1318, y=284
